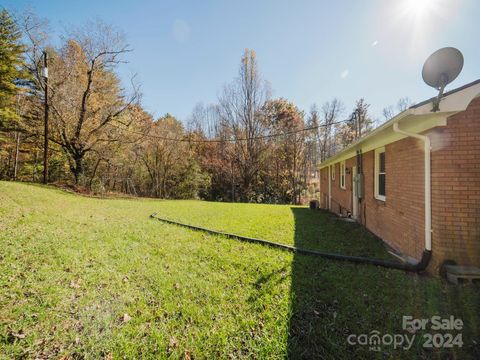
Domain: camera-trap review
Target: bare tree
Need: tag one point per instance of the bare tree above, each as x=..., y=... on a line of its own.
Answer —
x=240, y=108
x=85, y=95
x=388, y=112
x=204, y=120
x=402, y=104
x=357, y=125
x=330, y=114
x=312, y=142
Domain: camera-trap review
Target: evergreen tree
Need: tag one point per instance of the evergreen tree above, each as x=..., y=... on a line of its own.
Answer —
x=12, y=69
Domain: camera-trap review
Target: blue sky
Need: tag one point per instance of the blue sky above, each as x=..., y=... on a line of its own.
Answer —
x=309, y=51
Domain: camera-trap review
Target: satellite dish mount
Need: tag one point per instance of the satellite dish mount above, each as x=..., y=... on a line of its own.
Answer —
x=440, y=69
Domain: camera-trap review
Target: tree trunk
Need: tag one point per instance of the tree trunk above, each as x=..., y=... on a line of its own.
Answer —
x=164, y=186
x=94, y=173
x=34, y=175
x=9, y=163
x=17, y=150
x=77, y=168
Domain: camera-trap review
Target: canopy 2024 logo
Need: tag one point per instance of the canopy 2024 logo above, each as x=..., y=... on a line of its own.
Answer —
x=435, y=339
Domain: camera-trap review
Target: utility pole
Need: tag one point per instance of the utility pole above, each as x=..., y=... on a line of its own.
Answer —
x=17, y=141
x=233, y=183
x=45, y=144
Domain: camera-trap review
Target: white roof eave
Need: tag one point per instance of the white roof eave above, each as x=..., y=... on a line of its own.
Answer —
x=417, y=119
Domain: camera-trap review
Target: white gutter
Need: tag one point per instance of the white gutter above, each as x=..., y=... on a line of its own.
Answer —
x=452, y=102
x=428, y=182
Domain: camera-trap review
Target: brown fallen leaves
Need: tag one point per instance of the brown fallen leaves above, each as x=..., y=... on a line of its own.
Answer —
x=13, y=335
x=126, y=318
x=75, y=284
x=172, y=344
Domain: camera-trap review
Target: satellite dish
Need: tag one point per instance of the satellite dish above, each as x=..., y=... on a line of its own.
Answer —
x=440, y=69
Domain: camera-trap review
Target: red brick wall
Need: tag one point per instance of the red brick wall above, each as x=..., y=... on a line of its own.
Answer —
x=456, y=188
x=324, y=188
x=399, y=221
x=342, y=198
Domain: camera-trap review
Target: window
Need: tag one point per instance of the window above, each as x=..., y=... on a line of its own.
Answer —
x=332, y=170
x=342, y=175
x=380, y=174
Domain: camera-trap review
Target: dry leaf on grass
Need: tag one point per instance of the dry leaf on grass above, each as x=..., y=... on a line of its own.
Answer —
x=126, y=318
x=12, y=335
x=172, y=344
x=75, y=284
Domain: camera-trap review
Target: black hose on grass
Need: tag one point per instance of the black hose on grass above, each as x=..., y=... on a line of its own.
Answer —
x=420, y=266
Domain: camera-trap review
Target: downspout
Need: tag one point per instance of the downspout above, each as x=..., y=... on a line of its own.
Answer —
x=427, y=252
x=329, y=187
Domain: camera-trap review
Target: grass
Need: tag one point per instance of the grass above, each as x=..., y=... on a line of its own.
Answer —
x=96, y=278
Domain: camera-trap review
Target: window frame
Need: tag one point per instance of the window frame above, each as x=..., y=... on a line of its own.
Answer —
x=343, y=176
x=377, y=173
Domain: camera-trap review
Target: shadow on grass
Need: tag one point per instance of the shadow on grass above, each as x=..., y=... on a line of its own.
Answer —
x=332, y=299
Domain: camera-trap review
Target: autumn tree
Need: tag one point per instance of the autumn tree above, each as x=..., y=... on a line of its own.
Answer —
x=117, y=162
x=171, y=166
x=246, y=147
x=287, y=147
x=213, y=150
x=85, y=94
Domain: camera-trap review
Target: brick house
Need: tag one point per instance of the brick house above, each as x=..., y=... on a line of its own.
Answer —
x=415, y=180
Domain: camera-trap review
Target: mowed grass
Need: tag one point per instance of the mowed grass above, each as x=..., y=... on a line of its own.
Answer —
x=97, y=278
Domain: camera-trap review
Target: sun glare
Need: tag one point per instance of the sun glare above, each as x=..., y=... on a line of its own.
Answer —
x=420, y=8
x=416, y=22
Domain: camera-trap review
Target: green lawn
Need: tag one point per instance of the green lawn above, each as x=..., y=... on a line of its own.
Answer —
x=71, y=267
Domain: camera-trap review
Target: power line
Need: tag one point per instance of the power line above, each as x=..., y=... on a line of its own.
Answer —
x=190, y=140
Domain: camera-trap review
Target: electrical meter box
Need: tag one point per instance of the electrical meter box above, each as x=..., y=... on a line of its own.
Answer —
x=359, y=185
